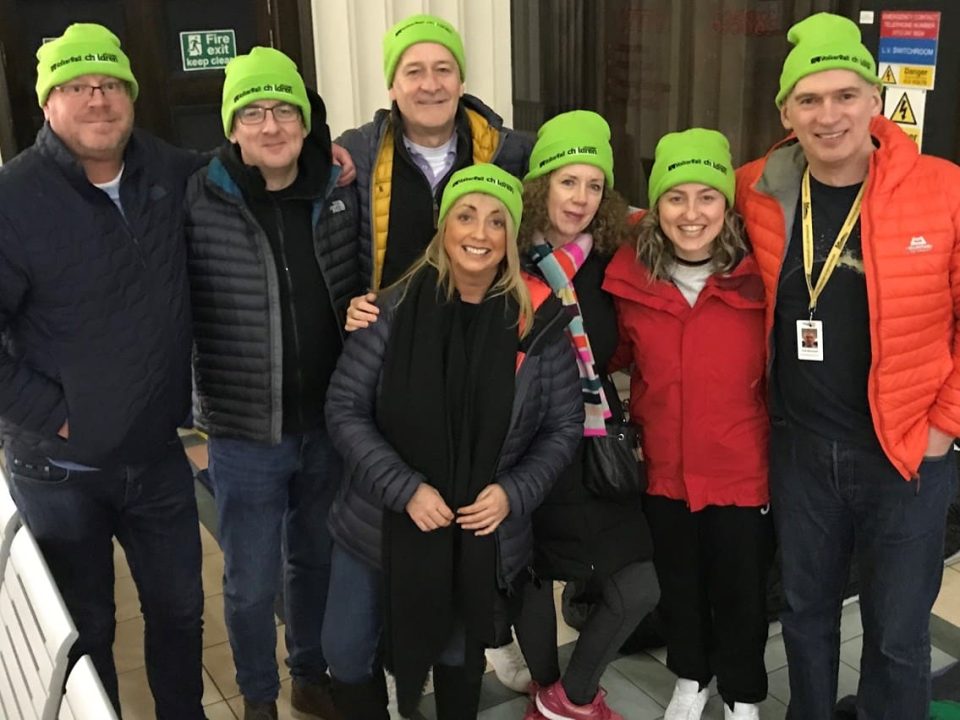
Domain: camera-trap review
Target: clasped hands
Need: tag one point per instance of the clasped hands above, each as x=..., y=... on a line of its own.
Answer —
x=429, y=512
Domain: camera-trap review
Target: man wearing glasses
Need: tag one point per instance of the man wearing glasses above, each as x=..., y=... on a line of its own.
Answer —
x=273, y=262
x=95, y=361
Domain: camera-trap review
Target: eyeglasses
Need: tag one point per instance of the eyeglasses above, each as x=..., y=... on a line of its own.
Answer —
x=254, y=114
x=109, y=89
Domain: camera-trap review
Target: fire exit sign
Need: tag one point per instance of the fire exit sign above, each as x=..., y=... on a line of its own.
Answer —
x=207, y=49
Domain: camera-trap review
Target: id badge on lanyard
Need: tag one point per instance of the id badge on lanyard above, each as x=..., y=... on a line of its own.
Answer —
x=810, y=336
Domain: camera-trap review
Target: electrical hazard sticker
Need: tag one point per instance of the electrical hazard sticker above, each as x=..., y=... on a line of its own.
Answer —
x=905, y=106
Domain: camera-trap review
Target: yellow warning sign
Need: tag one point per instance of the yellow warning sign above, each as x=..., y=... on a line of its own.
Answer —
x=903, y=114
x=914, y=133
x=888, y=77
x=916, y=76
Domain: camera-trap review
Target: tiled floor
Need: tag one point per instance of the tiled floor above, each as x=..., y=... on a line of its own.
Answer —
x=638, y=686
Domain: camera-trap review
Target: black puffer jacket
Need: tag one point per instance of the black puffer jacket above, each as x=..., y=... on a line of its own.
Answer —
x=492, y=142
x=545, y=425
x=94, y=304
x=238, y=356
x=576, y=533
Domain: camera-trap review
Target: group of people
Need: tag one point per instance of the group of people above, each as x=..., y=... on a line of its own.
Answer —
x=400, y=347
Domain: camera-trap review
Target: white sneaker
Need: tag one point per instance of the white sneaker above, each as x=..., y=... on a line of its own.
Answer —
x=687, y=702
x=741, y=711
x=510, y=667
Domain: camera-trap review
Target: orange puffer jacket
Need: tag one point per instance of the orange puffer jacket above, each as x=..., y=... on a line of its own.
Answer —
x=910, y=228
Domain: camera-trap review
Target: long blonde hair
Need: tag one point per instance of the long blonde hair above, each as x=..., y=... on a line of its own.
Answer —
x=509, y=281
x=656, y=252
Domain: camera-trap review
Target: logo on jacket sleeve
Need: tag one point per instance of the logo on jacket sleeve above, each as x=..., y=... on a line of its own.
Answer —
x=919, y=244
x=337, y=206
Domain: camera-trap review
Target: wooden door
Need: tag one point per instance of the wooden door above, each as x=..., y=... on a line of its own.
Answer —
x=178, y=101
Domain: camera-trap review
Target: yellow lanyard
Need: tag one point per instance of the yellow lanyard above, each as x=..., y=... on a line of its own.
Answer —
x=833, y=259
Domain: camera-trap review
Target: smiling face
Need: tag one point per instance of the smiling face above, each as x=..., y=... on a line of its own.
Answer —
x=573, y=200
x=272, y=146
x=427, y=88
x=691, y=216
x=94, y=126
x=830, y=112
x=475, y=240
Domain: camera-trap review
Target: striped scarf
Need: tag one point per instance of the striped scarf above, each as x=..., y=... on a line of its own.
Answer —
x=558, y=267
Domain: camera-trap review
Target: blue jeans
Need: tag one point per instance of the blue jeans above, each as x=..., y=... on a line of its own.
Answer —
x=832, y=502
x=354, y=622
x=272, y=505
x=354, y=619
x=152, y=511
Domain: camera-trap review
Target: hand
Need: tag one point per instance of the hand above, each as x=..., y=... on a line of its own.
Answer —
x=487, y=512
x=348, y=171
x=64, y=430
x=938, y=443
x=361, y=312
x=428, y=510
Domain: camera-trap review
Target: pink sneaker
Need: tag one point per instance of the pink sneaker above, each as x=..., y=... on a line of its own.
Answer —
x=554, y=704
x=532, y=712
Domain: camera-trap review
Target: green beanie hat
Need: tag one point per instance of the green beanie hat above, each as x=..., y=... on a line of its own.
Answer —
x=420, y=29
x=696, y=155
x=489, y=180
x=263, y=74
x=825, y=42
x=83, y=49
x=578, y=136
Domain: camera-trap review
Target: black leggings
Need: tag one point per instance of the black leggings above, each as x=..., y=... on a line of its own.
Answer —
x=627, y=596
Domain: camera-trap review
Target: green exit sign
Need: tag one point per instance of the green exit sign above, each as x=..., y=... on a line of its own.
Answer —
x=207, y=49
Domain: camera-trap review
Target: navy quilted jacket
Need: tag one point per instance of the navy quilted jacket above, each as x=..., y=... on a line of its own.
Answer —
x=546, y=424
x=512, y=154
x=94, y=304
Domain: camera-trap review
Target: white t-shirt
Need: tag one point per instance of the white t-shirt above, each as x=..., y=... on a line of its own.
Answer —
x=112, y=189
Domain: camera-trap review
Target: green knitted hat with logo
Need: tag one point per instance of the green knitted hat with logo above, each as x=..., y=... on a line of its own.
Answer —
x=825, y=42
x=489, y=180
x=263, y=74
x=83, y=49
x=696, y=155
x=578, y=136
x=420, y=29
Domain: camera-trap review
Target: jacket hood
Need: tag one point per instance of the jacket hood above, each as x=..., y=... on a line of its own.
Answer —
x=895, y=156
x=628, y=278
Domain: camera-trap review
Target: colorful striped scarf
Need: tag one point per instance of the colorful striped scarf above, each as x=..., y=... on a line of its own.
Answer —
x=559, y=266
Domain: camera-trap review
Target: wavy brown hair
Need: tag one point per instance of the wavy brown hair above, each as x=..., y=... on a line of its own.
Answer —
x=655, y=250
x=609, y=226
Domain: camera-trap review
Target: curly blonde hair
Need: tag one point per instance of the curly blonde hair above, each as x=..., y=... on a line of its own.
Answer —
x=609, y=225
x=656, y=252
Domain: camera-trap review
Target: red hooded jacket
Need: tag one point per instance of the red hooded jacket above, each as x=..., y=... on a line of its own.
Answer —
x=697, y=386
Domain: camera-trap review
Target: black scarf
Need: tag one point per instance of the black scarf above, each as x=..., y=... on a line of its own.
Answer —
x=444, y=406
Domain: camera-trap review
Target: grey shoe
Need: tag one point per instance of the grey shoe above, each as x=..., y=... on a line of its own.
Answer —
x=259, y=710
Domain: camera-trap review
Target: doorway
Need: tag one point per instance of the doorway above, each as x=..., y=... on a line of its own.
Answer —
x=177, y=49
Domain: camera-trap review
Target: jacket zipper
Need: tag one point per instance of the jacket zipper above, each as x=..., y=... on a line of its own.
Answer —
x=293, y=307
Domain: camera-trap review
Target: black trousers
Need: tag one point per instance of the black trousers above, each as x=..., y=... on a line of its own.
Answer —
x=626, y=598
x=712, y=566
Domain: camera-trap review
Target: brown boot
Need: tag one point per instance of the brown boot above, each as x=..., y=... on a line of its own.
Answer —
x=313, y=701
x=259, y=710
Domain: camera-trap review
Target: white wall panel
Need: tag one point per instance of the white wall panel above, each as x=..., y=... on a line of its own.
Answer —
x=348, y=36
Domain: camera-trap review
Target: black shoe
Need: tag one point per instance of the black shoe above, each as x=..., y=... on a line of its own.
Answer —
x=362, y=701
x=259, y=710
x=313, y=701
